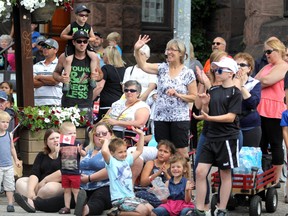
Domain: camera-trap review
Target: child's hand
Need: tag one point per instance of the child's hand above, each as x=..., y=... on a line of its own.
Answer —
x=79, y=148
x=189, y=185
x=18, y=163
x=137, y=130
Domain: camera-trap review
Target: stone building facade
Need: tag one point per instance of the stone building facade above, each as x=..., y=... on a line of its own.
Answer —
x=245, y=24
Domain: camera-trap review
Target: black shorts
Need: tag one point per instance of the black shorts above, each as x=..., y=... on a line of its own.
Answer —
x=176, y=132
x=223, y=154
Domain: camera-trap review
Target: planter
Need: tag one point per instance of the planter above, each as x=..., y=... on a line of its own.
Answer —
x=31, y=143
x=45, y=14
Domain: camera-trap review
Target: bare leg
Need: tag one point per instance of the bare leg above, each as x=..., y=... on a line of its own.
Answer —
x=67, y=70
x=201, y=185
x=278, y=172
x=136, y=169
x=225, y=189
x=9, y=195
x=67, y=197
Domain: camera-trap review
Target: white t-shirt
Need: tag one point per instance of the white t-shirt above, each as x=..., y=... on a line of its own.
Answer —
x=139, y=75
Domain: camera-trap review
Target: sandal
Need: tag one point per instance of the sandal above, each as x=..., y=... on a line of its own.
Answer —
x=64, y=210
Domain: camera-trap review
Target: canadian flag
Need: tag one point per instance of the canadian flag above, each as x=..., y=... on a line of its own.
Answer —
x=67, y=139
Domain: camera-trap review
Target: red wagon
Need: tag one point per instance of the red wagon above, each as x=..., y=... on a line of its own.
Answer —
x=249, y=190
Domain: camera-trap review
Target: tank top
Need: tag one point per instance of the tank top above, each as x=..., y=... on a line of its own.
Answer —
x=5, y=149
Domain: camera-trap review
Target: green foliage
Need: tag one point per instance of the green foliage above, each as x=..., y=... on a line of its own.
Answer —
x=201, y=15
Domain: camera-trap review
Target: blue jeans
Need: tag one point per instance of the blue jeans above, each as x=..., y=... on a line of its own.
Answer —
x=161, y=211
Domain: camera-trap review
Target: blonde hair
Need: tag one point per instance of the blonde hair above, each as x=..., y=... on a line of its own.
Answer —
x=277, y=45
x=114, y=57
x=93, y=131
x=180, y=46
x=4, y=116
x=114, y=36
x=184, y=161
x=192, y=54
x=65, y=126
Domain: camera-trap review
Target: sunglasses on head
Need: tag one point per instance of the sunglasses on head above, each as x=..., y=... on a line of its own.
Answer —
x=269, y=51
x=243, y=65
x=221, y=70
x=47, y=47
x=130, y=90
x=83, y=15
x=98, y=134
x=81, y=41
x=217, y=43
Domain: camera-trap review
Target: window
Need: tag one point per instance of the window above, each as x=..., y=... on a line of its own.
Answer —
x=156, y=14
x=285, y=8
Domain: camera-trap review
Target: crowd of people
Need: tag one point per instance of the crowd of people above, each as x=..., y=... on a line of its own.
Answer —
x=240, y=102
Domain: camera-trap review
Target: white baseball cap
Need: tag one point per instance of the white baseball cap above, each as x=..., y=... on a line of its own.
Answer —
x=227, y=62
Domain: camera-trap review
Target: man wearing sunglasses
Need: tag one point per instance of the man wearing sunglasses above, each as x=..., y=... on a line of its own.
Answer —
x=218, y=44
x=80, y=92
x=47, y=91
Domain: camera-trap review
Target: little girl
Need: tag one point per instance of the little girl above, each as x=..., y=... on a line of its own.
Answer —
x=8, y=88
x=179, y=200
x=154, y=168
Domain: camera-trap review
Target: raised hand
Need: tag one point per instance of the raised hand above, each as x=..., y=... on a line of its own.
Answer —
x=141, y=41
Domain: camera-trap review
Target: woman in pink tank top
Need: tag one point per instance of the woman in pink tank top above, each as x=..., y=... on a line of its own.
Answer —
x=272, y=103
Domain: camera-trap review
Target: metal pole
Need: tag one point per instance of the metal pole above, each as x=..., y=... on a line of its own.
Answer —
x=182, y=23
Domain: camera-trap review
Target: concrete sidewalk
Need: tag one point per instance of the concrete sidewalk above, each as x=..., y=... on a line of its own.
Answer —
x=282, y=208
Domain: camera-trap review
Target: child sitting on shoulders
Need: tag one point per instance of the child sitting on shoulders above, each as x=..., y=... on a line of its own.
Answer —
x=82, y=13
x=118, y=164
x=180, y=188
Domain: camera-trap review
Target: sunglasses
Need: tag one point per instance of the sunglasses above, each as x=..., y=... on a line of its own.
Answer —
x=216, y=43
x=83, y=15
x=243, y=65
x=172, y=50
x=221, y=70
x=268, y=51
x=98, y=134
x=47, y=47
x=81, y=41
x=130, y=90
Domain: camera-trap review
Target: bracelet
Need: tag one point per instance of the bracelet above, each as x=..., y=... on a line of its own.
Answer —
x=89, y=180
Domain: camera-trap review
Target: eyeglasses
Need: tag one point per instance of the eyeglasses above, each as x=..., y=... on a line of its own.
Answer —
x=221, y=70
x=269, y=51
x=172, y=50
x=47, y=47
x=217, y=43
x=243, y=65
x=83, y=15
x=81, y=41
x=98, y=134
x=130, y=90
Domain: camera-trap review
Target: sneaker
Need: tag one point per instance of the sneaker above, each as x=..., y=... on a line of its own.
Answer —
x=220, y=212
x=66, y=87
x=286, y=199
x=92, y=83
x=196, y=212
x=10, y=208
x=114, y=211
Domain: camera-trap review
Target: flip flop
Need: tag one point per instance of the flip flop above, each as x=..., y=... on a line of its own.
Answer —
x=22, y=201
x=81, y=199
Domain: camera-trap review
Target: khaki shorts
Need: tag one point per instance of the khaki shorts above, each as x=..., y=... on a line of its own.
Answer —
x=7, y=177
x=129, y=203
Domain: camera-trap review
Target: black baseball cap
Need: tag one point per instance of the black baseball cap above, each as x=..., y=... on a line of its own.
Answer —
x=80, y=34
x=81, y=8
x=98, y=34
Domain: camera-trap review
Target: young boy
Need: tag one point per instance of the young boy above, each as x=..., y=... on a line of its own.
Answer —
x=118, y=167
x=284, y=125
x=114, y=38
x=70, y=151
x=220, y=107
x=7, y=150
x=82, y=13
